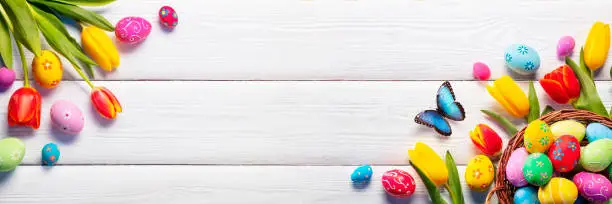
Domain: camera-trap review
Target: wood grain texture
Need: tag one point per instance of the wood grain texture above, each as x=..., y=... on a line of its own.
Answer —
x=202, y=184
x=280, y=123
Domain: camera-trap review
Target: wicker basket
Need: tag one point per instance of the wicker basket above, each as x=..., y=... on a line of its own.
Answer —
x=503, y=188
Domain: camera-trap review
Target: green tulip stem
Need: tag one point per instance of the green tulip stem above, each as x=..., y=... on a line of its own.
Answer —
x=78, y=69
x=26, y=80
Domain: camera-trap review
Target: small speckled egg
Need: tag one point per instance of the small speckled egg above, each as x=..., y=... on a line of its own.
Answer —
x=593, y=187
x=596, y=156
x=538, y=169
x=537, y=137
x=568, y=127
x=479, y=173
x=132, y=30
x=514, y=167
x=526, y=195
x=67, y=117
x=564, y=153
x=558, y=191
x=168, y=17
x=565, y=46
x=50, y=154
x=596, y=131
x=47, y=69
x=522, y=59
x=12, y=151
x=362, y=174
x=398, y=183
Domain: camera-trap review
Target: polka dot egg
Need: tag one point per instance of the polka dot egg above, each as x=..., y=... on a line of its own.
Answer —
x=362, y=174
x=522, y=59
x=538, y=169
x=50, y=154
x=67, y=117
x=168, y=17
x=398, y=183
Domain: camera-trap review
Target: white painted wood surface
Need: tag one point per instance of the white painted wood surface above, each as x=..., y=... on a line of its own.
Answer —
x=242, y=82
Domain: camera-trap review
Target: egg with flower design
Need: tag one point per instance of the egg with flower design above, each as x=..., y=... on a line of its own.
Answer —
x=538, y=169
x=479, y=173
x=12, y=151
x=67, y=117
x=168, y=17
x=537, y=137
x=522, y=59
x=50, y=154
x=564, y=153
x=47, y=69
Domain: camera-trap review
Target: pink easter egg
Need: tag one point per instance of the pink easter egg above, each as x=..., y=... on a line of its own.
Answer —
x=398, y=183
x=132, y=29
x=67, y=117
x=514, y=167
x=168, y=17
x=565, y=47
x=594, y=187
x=481, y=71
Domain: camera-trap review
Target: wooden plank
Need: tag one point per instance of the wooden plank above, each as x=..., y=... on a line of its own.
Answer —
x=201, y=184
x=344, y=39
x=305, y=123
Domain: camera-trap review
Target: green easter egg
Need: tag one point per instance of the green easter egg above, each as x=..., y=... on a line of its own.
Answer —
x=596, y=156
x=11, y=153
x=568, y=127
x=537, y=169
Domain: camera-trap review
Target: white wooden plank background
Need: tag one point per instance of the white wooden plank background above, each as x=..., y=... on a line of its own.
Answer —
x=251, y=83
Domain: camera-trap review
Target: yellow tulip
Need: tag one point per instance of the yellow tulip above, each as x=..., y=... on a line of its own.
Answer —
x=510, y=96
x=597, y=45
x=100, y=47
x=429, y=162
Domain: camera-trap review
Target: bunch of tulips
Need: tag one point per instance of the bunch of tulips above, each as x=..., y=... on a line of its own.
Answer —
x=25, y=20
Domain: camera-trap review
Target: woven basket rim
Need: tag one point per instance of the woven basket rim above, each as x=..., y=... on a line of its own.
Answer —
x=503, y=188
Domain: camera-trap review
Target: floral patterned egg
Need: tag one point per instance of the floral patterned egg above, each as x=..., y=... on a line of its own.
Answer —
x=362, y=174
x=47, y=69
x=558, y=191
x=514, y=167
x=526, y=195
x=522, y=59
x=12, y=151
x=596, y=131
x=168, y=17
x=67, y=117
x=50, y=154
x=132, y=29
x=479, y=173
x=596, y=156
x=537, y=137
x=538, y=169
x=564, y=153
x=398, y=183
x=568, y=127
x=593, y=187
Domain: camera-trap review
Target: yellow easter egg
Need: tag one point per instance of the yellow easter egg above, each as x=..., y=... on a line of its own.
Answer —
x=479, y=173
x=568, y=127
x=538, y=137
x=558, y=191
x=47, y=69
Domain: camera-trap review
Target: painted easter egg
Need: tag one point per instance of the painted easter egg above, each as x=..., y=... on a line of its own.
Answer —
x=568, y=127
x=564, y=153
x=7, y=77
x=565, y=47
x=522, y=59
x=481, y=71
x=526, y=195
x=398, y=183
x=47, y=69
x=168, y=17
x=537, y=137
x=596, y=156
x=67, y=117
x=538, y=169
x=50, y=154
x=514, y=167
x=593, y=187
x=596, y=131
x=558, y=191
x=479, y=173
x=12, y=151
x=132, y=29
x=362, y=174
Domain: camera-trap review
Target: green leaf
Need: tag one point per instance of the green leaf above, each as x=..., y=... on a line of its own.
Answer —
x=534, y=104
x=432, y=189
x=89, y=70
x=24, y=25
x=589, y=97
x=6, y=47
x=547, y=110
x=454, y=184
x=86, y=2
x=508, y=126
x=77, y=13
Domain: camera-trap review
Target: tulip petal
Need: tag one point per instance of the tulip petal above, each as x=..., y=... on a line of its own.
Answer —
x=24, y=108
x=555, y=90
x=113, y=100
x=100, y=47
x=432, y=165
x=570, y=82
x=597, y=45
x=514, y=95
x=103, y=104
x=493, y=142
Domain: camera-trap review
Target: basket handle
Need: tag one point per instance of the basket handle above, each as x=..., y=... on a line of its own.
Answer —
x=490, y=195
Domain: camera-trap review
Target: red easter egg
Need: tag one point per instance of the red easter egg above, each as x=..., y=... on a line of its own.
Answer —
x=398, y=183
x=564, y=153
x=168, y=17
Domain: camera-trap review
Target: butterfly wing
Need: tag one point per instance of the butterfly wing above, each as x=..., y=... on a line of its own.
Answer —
x=433, y=119
x=447, y=106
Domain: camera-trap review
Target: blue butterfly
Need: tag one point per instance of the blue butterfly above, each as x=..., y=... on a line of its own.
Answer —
x=447, y=107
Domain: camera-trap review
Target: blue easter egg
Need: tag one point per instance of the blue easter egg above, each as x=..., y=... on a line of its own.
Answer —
x=526, y=195
x=596, y=131
x=50, y=154
x=522, y=59
x=362, y=174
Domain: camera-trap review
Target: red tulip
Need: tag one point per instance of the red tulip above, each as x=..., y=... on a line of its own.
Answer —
x=486, y=139
x=105, y=102
x=24, y=108
x=561, y=85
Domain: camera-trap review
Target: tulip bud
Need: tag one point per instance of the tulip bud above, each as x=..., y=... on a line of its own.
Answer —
x=486, y=139
x=100, y=47
x=24, y=108
x=105, y=102
x=597, y=45
x=561, y=85
x=429, y=162
x=510, y=96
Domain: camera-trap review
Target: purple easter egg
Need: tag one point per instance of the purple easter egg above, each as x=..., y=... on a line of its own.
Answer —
x=514, y=168
x=7, y=77
x=593, y=187
x=565, y=46
x=67, y=117
x=132, y=30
